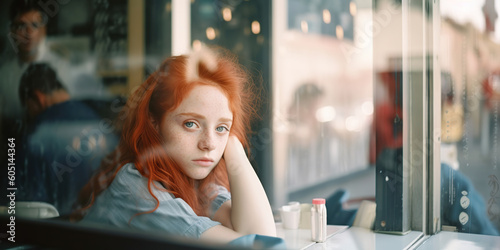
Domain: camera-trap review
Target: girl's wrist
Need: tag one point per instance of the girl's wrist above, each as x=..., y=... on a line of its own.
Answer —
x=235, y=156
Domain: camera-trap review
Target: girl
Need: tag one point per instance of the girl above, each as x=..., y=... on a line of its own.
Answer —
x=181, y=151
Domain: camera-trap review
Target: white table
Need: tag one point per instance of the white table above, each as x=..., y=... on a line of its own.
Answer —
x=365, y=239
x=456, y=241
x=343, y=237
x=301, y=238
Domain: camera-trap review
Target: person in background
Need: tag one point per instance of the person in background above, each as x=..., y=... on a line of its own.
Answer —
x=44, y=97
x=64, y=140
x=27, y=44
x=27, y=35
x=309, y=141
x=181, y=167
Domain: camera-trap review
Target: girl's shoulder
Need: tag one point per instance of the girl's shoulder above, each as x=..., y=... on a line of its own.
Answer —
x=128, y=174
x=130, y=180
x=128, y=170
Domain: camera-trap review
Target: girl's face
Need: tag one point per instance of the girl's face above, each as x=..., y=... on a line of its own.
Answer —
x=196, y=132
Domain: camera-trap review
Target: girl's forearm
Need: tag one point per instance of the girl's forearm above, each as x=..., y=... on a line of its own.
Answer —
x=251, y=212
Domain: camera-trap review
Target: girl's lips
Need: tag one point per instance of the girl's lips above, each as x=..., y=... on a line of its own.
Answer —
x=204, y=162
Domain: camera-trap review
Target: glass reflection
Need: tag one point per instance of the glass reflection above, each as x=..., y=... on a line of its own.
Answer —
x=56, y=100
x=469, y=52
x=323, y=101
x=333, y=106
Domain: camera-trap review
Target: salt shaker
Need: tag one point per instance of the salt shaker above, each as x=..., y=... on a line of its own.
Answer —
x=318, y=220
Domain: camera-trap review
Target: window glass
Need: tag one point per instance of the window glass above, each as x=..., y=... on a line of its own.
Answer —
x=101, y=50
x=331, y=79
x=81, y=50
x=470, y=80
x=323, y=93
x=157, y=32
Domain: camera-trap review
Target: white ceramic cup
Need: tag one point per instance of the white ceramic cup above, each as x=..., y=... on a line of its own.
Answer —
x=290, y=217
x=294, y=205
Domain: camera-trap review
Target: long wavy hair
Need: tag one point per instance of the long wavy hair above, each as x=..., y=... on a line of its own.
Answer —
x=141, y=143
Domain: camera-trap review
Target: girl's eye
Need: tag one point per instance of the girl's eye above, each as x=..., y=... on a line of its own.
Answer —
x=189, y=124
x=221, y=129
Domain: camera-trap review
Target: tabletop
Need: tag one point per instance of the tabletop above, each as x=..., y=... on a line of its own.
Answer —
x=301, y=238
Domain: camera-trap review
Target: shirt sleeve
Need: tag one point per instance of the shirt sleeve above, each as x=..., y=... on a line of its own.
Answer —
x=128, y=203
x=222, y=196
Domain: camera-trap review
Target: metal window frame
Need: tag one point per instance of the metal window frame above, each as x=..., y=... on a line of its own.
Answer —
x=422, y=116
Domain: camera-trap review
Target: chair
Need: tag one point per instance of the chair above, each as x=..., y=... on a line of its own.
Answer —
x=358, y=212
x=365, y=217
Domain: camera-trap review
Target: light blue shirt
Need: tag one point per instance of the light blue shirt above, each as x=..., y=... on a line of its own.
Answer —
x=128, y=195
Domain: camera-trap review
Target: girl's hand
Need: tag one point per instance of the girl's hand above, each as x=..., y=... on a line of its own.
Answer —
x=234, y=155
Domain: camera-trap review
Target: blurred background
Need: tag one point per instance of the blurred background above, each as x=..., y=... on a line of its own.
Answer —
x=331, y=72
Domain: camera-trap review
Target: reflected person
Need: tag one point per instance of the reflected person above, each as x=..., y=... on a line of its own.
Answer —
x=64, y=139
x=28, y=44
x=27, y=32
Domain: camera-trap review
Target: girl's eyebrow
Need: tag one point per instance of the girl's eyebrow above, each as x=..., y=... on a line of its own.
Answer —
x=198, y=116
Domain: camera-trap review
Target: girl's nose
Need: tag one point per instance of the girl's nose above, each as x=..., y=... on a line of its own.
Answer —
x=206, y=141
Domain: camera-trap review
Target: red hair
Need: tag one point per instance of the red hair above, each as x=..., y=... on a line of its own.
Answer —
x=141, y=143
